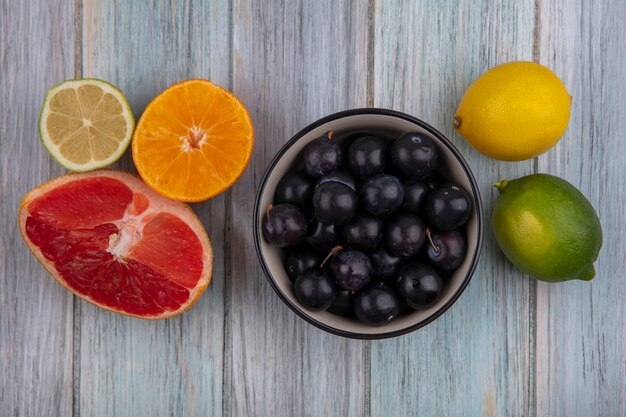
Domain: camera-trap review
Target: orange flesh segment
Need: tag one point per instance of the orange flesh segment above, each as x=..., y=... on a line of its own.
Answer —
x=193, y=141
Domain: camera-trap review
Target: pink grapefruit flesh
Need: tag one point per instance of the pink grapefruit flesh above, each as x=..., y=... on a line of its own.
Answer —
x=111, y=240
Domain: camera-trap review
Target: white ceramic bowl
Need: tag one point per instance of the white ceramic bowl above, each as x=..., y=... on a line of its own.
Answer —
x=387, y=124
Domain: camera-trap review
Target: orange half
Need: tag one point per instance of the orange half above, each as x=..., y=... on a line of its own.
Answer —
x=193, y=141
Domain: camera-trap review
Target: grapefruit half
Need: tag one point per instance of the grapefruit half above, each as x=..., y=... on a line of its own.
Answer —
x=111, y=240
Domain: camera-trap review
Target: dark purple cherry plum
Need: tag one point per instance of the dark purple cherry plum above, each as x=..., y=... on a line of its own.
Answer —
x=384, y=263
x=334, y=203
x=445, y=250
x=284, y=225
x=367, y=156
x=415, y=193
x=414, y=155
x=322, y=156
x=340, y=177
x=343, y=305
x=323, y=236
x=376, y=305
x=301, y=259
x=351, y=268
x=382, y=195
x=448, y=207
x=419, y=285
x=404, y=234
x=363, y=232
x=315, y=289
x=295, y=188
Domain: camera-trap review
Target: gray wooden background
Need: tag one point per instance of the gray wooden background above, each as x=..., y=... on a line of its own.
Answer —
x=509, y=347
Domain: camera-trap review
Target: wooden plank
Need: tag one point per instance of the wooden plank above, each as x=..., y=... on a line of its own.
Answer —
x=37, y=46
x=130, y=367
x=294, y=63
x=474, y=360
x=581, y=338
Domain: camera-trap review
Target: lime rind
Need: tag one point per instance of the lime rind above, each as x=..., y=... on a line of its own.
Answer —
x=547, y=228
x=501, y=185
x=93, y=164
x=587, y=274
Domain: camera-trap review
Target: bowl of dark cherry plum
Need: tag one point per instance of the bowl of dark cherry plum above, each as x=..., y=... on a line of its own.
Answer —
x=368, y=223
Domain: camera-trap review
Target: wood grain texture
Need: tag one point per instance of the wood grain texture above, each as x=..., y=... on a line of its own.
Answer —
x=36, y=51
x=581, y=341
x=509, y=346
x=130, y=367
x=475, y=359
x=295, y=61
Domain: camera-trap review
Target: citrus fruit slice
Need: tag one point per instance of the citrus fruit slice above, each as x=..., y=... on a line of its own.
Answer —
x=514, y=111
x=111, y=240
x=85, y=124
x=547, y=228
x=193, y=141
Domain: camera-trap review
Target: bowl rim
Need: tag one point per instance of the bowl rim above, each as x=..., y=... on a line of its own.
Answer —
x=478, y=206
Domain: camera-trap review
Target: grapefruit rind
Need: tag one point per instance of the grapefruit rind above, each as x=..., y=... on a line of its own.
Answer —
x=157, y=202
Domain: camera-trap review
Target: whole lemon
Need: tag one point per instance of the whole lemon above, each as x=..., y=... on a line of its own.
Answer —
x=514, y=111
x=547, y=228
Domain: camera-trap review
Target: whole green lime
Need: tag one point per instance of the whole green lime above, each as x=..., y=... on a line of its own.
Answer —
x=547, y=228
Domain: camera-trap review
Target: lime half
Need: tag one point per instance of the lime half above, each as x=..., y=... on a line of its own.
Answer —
x=85, y=124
